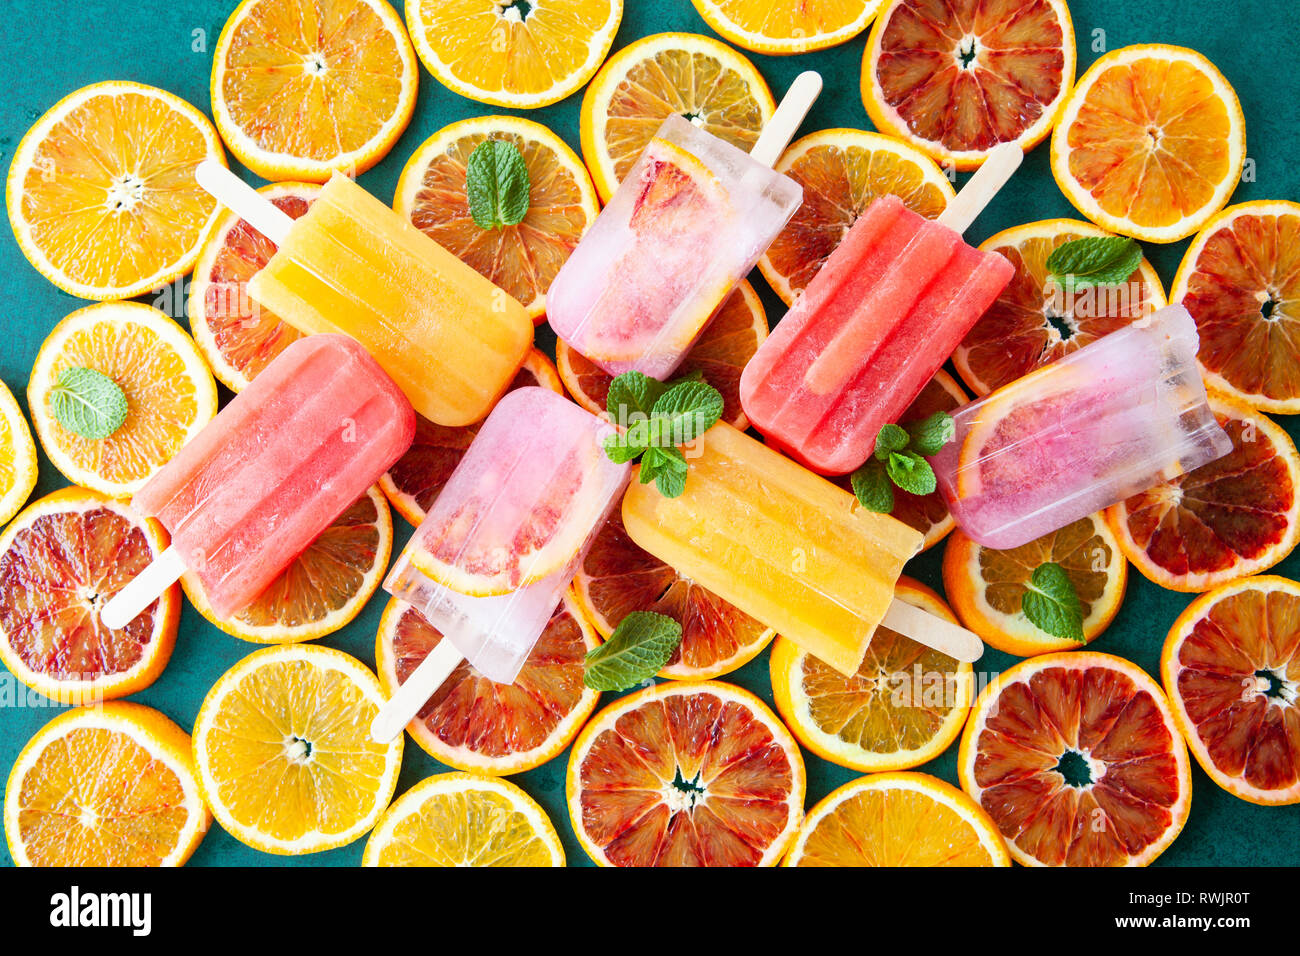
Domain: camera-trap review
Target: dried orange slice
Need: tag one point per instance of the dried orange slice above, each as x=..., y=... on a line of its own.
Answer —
x=1034, y=322
x=513, y=52
x=1150, y=143
x=17, y=457
x=301, y=88
x=412, y=484
x=236, y=335
x=986, y=586
x=1240, y=280
x=524, y=258
x=957, y=77
x=904, y=706
x=1079, y=762
x=842, y=171
x=897, y=819
x=324, y=588
x=617, y=577
x=693, y=76
x=1236, y=516
x=101, y=192
x=111, y=785
x=473, y=724
x=786, y=28
x=685, y=774
x=61, y=560
x=1230, y=667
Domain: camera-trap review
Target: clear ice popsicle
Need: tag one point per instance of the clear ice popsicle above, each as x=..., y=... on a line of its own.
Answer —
x=1079, y=435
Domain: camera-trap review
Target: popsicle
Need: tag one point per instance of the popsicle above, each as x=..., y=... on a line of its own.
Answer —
x=450, y=338
x=687, y=223
x=1079, y=435
x=319, y=425
x=494, y=555
x=881, y=316
x=788, y=548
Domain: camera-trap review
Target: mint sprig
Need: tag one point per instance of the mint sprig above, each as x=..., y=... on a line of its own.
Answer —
x=638, y=649
x=1052, y=604
x=89, y=403
x=900, y=459
x=656, y=418
x=496, y=182
x=1093, y=261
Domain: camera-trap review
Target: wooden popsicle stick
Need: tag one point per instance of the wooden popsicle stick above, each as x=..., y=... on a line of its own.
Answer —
x=780, y=129
x=932, y=631
x=142, y=590
x=415, y=690
x=1003, y=160
x=243, y=200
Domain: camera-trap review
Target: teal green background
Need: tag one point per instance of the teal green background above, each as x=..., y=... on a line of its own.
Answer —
x=50, y=49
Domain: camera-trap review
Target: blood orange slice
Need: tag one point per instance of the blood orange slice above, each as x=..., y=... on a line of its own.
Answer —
x=1079, y=762
x=1231, y=666
x=476, y=725
x=686, y=774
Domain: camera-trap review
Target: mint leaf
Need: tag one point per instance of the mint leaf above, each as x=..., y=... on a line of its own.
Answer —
x=911, y=472
x=638, y=649
x=1052, y=604
x=889, y=439
x=89, y=403
x=930, y=434
x=619, y=450
x=496, y=182
x=872, y=488
x=1094, y=260
x=686, y=411
x=668, y=468
x=632, y=394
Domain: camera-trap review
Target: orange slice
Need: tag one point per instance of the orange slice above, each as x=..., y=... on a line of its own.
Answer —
x=1240, y=280
x=101, y=192
x=1079, y=762
x=476, y=725
x=897, y=819
x=1150, y=143
x=693, y=76
x=1033, y=322
x=842, y=171
x=1230, y=666
x=17, y=457
x=786, y=28
x=728, y=342
x=904, y=706
x=110, y=785
x=1236, y=516
x=616, y=577
x=236, y=335
x=412, y=485
x=685, y=774
x=301, y=88
x=987, y=586
x=957, y=77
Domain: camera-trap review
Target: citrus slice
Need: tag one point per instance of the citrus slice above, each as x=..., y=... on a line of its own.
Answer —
x=987, y=586
x=459, y=819
x=785, y=28
x=284, y=753
x=473, y=724
x=524, y=258
x=61, y=560
x=1230, y=667
x=641, y=85
x=169, y=392
x=109, y=785
x=1150, y=143
x=101, y=192
x=301, y=88
x=512, y=52
x=1236, y=516
x=897, y=819
x=413, y=483
x=904, y=706
x=729, y=340
x=956, y=78
x=685, y=774
x=324, y=588
x=236, y=335
x=1240, y=280
x=1033, y=322
x=1077, y=759
x=616, y=577
x=17, y=457
x=842, y=171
